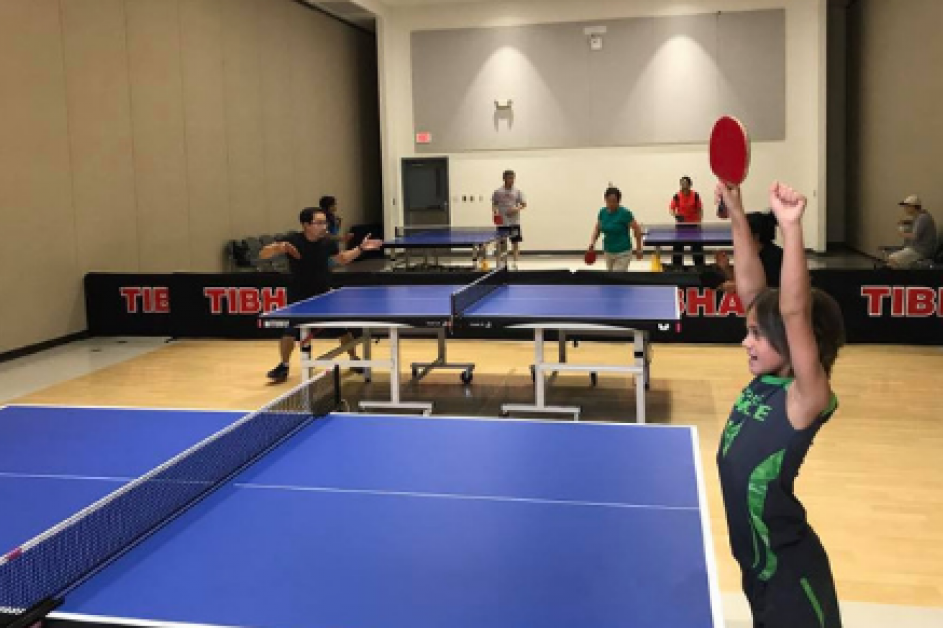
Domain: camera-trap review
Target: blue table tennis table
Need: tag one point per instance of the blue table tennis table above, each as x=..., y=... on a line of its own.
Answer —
x=430, y=241
x=708, y=234
x=362, y=521
x=687, y=234
x=490, y=302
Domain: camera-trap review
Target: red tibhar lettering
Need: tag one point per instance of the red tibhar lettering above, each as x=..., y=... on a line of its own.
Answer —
x=703, y=302
x=234, y=300
x=149, y=300
x=130, y=296
x=249, y=301
x=914, y=301
x=215, y=295
x=274, y=298
x=921, y=301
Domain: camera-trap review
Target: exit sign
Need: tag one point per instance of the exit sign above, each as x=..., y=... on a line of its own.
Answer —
x=424, y=137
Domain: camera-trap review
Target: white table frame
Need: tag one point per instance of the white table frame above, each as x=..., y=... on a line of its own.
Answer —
x=638, y=366
x=543, y=371
x=402, y=260
x=394, y=333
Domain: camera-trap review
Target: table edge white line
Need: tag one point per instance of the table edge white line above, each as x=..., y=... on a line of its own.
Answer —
x=128, y=621
x=494, y=498
x=63, y=476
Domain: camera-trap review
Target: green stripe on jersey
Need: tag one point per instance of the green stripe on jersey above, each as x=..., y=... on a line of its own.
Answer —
x=814, y=601
x=766, y=472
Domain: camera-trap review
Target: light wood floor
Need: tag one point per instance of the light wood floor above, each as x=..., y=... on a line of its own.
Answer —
x=873, y=482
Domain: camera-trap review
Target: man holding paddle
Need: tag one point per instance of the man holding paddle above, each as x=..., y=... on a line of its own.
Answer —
x=506, y=205
x=309, y=255
x=686, y=207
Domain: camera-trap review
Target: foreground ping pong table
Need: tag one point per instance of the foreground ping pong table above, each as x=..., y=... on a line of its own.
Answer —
x=489, y=302
x=360, y=521
x=430, y=241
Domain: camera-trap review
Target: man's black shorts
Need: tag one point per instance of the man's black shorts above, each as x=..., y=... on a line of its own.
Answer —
x=514, y=231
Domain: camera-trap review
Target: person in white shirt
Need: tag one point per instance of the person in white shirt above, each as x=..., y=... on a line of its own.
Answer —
x=506, y=205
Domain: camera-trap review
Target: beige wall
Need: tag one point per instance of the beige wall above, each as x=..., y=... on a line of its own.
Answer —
x=896, y=126
x=140, y=135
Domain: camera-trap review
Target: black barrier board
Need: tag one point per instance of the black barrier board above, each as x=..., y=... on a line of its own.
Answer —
x=879, y=306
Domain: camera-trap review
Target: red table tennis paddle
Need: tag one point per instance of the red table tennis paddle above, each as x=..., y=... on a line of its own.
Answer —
x=730, y=151
x=498, y=220
x=590, y=257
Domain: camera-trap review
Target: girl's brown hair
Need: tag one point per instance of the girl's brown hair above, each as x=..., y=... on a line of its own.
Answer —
x=828, y=325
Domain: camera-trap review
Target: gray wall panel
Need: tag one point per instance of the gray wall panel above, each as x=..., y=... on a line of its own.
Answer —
x=442, y=80
x=751, y=58
x=684, y=77
x=656, y=81
x=554, y=81
x=621, y=100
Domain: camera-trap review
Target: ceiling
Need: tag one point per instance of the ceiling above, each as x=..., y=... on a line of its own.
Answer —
x=350, y=12
x=405, y=3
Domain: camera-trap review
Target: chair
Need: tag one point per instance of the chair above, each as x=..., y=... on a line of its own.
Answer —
x=255, y=252
x=237, y=253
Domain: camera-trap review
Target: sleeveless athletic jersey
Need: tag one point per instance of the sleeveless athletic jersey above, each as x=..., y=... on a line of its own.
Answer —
x=782, y=561
x=759, y=458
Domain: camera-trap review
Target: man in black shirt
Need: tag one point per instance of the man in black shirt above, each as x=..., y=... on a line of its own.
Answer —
x=308, y=255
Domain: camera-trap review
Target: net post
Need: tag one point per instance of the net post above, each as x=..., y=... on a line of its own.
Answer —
x=31, y=616
x=468, y=295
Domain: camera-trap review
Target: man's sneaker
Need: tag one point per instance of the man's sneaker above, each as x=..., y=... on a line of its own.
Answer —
x=279, y=373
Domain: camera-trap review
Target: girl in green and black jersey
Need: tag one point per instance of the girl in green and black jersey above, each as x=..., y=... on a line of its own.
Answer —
x=792, y=341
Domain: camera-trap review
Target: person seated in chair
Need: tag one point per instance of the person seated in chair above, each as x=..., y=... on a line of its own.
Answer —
x=920, y=242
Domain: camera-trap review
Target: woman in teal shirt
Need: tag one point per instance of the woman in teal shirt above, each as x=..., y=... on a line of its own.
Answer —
x=614, y=222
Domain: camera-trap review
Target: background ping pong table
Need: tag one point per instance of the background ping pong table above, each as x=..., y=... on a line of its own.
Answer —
x=584, y=309
x=359, y=521
x=429, y=242
x=687, y=234
x=710, y=234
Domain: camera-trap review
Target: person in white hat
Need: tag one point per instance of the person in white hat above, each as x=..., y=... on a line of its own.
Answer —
x=920, y=242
